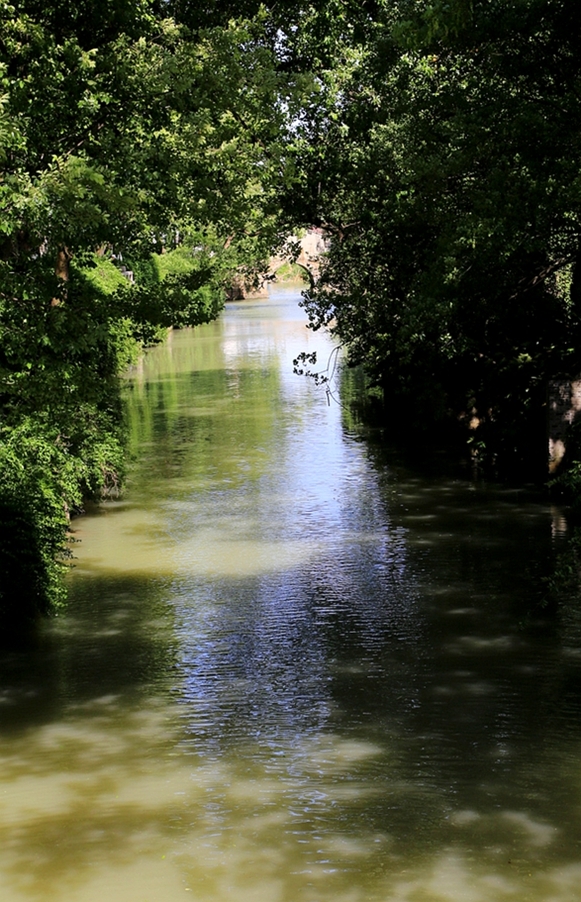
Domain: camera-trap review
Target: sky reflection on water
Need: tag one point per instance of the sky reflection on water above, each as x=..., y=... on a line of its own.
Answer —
x=292, y=668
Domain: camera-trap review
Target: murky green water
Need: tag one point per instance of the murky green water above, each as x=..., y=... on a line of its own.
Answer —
x=291, y=669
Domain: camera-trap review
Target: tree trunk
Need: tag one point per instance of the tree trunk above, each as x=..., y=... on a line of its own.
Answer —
x=61, y=270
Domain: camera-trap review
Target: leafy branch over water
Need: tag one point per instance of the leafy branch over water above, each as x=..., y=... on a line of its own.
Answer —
x=135, y=181
x=435, y=144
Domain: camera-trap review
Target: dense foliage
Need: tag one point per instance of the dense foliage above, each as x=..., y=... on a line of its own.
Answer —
x=443, y=158
x=126, y=139
x=437, y=143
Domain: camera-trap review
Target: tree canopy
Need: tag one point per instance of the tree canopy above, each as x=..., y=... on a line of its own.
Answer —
x=437, y=143
x=122, y=134
x=445, y=166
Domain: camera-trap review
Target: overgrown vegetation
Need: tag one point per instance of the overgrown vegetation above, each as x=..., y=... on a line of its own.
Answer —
x=437, y=144
x=291, y=272
x=441, y=154
x=128, y=141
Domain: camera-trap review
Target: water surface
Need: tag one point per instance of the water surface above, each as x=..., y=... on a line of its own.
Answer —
x=292, y=669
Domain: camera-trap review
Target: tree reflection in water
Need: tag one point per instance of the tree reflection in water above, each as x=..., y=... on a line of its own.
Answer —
x=292, y=667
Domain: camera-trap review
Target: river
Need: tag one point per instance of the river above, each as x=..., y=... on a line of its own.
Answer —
x=293, y=668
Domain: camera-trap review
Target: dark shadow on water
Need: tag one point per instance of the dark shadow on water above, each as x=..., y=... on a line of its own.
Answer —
x=416, y=720
x=114, y=638
x=380, y=699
